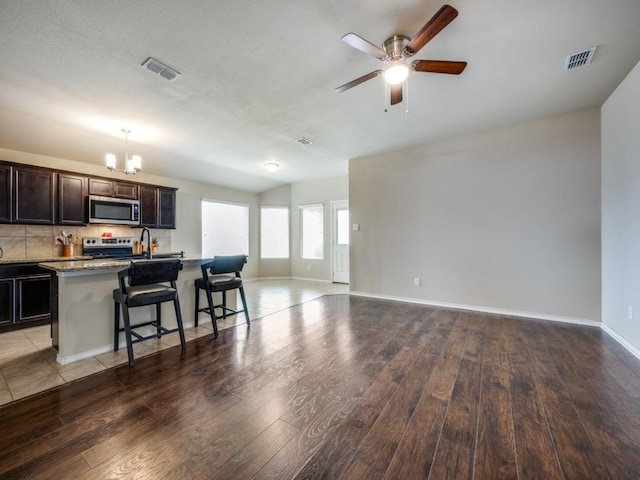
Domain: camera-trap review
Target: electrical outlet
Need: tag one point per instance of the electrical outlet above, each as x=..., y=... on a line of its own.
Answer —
x=417, y=281
x=308, y=267
x=630, y=312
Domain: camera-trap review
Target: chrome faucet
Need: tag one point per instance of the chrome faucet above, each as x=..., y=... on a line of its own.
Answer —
x=145, y=229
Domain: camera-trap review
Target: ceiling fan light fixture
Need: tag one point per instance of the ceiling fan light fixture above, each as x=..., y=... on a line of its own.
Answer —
x=396, y=74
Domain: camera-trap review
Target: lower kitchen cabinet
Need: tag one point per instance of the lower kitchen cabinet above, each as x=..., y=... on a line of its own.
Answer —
x=25, y=297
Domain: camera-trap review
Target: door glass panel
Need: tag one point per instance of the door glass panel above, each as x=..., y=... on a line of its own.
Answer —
x=342, y=227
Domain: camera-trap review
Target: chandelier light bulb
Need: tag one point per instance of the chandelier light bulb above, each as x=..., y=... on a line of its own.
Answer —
x=111, y=161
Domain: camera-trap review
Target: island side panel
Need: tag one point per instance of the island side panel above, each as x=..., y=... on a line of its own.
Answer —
x=86, y=310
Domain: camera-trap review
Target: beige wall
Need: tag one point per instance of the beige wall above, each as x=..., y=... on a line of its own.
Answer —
x=313, y=192
x=508, y=219
x=621, y=212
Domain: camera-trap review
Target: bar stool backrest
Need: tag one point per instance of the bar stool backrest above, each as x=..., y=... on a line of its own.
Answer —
x=146, y=272
x=227, y=264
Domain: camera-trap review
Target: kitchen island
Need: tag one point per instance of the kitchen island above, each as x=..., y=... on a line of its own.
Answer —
x=83, y=307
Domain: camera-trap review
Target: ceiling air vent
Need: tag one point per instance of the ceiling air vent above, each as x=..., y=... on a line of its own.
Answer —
x=156, y=67
x=303, y=141
x=579, y=59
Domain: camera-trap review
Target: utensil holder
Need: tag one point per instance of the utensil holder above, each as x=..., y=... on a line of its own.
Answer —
x=67, y=250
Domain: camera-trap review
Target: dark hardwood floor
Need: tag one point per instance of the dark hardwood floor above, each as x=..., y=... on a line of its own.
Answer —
x=351, y=388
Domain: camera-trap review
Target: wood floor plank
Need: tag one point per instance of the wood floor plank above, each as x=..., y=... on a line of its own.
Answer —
x=247, y=462
x=535, y=450
x=459, y=430
x=495, y=453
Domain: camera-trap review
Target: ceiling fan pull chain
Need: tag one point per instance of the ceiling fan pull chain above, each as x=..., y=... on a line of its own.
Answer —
x=406, y=95
x=387, y=92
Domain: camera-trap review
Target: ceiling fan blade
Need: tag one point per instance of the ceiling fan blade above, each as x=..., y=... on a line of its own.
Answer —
x=441, y=19
x=363, y=45
x=357, y=81
x=439, y=66
x=396, y=94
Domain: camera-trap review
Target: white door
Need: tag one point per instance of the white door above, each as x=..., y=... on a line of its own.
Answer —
x=340, y=243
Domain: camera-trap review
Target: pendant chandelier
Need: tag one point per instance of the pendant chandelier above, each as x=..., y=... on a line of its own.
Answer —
x=133, y=164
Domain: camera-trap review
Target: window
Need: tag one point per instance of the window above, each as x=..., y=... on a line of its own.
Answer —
x=225, y=229
x=312, y=231
x=274, y=232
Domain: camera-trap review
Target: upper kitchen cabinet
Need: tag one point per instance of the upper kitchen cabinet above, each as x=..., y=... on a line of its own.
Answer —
x=113, y=188
x=33, y=195
x=166, y=208
x=5, y=191
x=157, y=207
x=72, y=191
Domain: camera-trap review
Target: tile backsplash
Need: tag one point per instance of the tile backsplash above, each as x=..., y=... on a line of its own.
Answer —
x=20, y=242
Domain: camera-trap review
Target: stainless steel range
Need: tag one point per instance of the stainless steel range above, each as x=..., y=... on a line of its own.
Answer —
x=110, y=247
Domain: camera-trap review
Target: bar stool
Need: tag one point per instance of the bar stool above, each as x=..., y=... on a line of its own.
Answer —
x=221, y=275
x=147, y=281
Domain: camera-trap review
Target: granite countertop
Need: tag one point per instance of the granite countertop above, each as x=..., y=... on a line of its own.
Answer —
x=16, y=261
x=110, y=264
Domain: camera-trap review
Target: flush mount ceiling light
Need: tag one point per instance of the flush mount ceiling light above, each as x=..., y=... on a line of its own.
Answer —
x=133, y=164
x=271, y=166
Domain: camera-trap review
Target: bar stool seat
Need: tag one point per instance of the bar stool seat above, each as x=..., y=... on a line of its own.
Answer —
x=221, y=275
x=147, y=285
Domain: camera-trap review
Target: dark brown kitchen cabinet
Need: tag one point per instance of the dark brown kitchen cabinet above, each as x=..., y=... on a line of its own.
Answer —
x=33, y=299
x=157, y=207
x=166, y=208
x=72, y=192
x=113, y=188
x=125, y=190
x=7, y=303
x=33, y=195
x=5, y=193
x=25, y=296
x=148, y=206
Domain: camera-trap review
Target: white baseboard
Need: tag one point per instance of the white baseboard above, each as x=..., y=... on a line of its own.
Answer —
x=81, y=356
x=310, y=279
x=475, y=308
x=616, y=336
x=272, y=278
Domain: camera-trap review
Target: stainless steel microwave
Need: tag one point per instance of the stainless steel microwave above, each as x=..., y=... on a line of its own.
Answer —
x=114, y=211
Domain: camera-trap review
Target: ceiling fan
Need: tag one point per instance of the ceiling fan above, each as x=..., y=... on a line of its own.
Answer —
x=398, y=48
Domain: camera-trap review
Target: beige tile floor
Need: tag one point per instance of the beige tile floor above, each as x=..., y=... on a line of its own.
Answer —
x=28, y=362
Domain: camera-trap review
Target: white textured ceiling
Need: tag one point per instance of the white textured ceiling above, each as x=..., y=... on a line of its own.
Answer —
x=258, y=75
